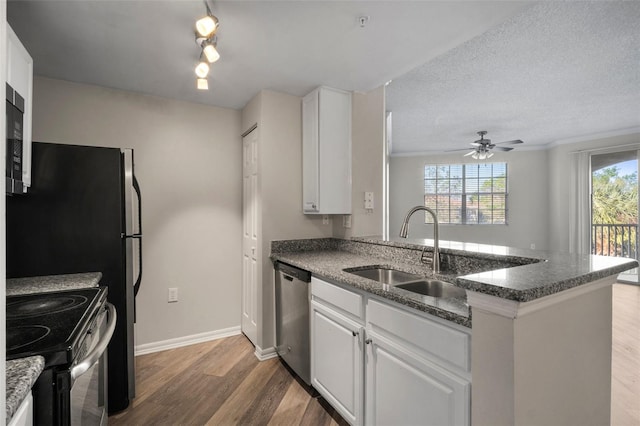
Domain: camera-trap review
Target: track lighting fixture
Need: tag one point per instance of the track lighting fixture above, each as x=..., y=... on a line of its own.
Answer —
x=207, y=40
x=202, y=69
x=207, y=25
x=202, y=84
x=209, y=50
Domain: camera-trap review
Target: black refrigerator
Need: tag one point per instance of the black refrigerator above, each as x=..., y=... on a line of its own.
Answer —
x=83, y=214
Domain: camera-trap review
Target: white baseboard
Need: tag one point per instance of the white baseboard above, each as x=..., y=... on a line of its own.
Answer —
x=178, y=342
x=265, y=354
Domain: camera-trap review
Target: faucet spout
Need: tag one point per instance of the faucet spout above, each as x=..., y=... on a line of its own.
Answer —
x=404, y=232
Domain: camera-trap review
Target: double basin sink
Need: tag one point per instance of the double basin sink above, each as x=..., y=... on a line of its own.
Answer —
x=410, y=282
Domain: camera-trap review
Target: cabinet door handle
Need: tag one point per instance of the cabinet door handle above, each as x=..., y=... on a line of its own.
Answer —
x=367, y=341
x=355, y=333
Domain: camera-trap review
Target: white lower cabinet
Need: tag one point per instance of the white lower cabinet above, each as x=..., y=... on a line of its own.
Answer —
x=416, y=367
x=403, y=389
x=337, y=361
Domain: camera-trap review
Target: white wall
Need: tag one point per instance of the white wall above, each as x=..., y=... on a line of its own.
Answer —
x=279, y=120
x=560, y=158
x=367, y=153
x=527, y=200
x=188, y=163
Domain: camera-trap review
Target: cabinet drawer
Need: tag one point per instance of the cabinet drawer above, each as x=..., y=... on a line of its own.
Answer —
x=339, y=297
x=449, y=345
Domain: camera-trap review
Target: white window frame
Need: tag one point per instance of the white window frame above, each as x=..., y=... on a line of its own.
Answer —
x=465, y=180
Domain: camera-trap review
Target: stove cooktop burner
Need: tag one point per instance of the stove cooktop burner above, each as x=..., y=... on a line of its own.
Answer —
x=29, y=308
x=53, y=325
x=18, y=337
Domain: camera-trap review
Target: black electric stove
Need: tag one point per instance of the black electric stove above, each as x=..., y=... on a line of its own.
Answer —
x=51, y=324
x=71, y=330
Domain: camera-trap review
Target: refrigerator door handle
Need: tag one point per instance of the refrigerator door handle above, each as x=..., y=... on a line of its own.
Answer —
x=136, y=286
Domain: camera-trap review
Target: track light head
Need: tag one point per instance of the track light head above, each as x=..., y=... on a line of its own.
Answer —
x=202, y=84
x=207, y=25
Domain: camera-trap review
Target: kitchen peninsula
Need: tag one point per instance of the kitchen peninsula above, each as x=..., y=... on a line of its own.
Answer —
x=539, y=323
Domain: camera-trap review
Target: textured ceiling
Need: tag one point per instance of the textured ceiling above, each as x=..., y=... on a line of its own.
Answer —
x=555, y=71
x=290, y=46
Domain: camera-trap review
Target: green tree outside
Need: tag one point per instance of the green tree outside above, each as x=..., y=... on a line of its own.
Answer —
x=614, y=202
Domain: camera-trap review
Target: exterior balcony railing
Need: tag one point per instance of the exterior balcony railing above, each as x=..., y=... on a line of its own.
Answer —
x=620, y=240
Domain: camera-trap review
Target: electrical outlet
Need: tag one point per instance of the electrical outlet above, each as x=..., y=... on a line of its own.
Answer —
x=346, y=221
x=325, y=219
x=368, y=200
x=172, y=295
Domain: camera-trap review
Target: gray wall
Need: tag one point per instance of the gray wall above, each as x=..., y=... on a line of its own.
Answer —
x=279, y=120
x=188, y=162
x=527, y=203
x=367, y=153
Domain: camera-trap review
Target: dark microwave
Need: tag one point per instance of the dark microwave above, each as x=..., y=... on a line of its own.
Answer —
x=15, y=121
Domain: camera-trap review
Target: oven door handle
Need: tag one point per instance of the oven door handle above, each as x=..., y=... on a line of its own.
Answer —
x=80, y=368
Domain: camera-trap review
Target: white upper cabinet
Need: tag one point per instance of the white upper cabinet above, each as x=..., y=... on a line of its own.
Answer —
x=20, y=78
x=326, y=152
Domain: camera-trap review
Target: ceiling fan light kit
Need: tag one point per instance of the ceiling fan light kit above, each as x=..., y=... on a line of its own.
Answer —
x=482, y=148
x=207, y=40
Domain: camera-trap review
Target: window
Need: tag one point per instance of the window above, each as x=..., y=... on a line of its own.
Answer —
x=467, y=193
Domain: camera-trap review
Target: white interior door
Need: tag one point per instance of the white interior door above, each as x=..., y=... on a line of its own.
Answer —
x=251, y=257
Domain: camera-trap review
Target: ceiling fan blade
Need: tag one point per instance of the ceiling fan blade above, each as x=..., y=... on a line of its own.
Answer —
x=502, y=148
x=513, y=142
x=469, y=153
x=476, y=144
x=454, y=150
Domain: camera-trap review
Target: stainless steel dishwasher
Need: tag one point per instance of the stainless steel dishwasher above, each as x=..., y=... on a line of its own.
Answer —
x=292, y=318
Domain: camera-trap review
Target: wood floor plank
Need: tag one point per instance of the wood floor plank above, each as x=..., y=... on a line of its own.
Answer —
x=270, y=397
x=292, y=407
x=220, y=363
x=173, y=363
x=244, y=395
x=625, y=357
x=316, y=414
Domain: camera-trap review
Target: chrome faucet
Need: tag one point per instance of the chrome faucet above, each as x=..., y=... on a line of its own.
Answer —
x=404, y=231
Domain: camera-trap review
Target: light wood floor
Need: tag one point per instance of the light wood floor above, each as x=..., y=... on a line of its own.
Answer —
x=222, y=383
x=625, y=382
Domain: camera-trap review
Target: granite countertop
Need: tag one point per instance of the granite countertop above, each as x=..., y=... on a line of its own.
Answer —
x=50, y=283
x=514, y=274
x=551, y=272
x=330, y=265
x=21, y=375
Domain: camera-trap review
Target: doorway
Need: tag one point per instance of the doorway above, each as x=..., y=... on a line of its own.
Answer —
x=614, y=207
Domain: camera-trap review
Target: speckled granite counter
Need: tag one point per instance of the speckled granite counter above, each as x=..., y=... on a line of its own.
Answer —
x=45, y=284
x=514, y=274
x=21, y=375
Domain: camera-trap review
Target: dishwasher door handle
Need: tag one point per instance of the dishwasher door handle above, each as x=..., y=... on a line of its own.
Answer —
x=287, y=277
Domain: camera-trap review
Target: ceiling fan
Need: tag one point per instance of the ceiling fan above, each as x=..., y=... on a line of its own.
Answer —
x=482, y=147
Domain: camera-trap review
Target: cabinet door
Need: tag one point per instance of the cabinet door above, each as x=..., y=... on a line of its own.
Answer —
x=405, y=390
x=310, y=154
x=337, y=361
x=20, y=77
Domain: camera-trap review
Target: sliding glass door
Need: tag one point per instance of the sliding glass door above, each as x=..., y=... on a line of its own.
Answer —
x=614, y=206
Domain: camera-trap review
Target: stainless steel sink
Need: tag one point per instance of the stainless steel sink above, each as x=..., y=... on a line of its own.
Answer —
x=434, y=288
x=384, y=275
